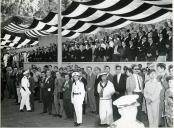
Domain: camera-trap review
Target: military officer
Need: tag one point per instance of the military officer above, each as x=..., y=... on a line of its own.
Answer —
x=127, y=107
x=77, y=97
x=25, y=92
x=106, y=90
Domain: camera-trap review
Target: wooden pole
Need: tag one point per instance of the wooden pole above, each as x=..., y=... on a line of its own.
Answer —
x=59, y=39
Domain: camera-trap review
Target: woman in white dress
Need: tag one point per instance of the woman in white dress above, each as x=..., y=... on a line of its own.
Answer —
x=152, y=95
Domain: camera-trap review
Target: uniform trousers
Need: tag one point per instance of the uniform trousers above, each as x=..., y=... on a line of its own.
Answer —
x=78, y=109
x=25, y=100
x=18, y=94
x=106, y=111
x=153, y=113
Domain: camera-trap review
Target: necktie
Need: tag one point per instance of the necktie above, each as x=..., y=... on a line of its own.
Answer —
x=138, y=83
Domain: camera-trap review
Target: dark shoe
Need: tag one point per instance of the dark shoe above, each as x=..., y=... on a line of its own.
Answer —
x=17, y=103
x=43, y=112
x=77, y=125
x=29, y=111
x=49, y=113
x=21, y=110
x=55, y=115
x=60, y=116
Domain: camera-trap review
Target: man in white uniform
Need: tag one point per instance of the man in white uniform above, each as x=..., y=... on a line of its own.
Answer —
x=77, y=97
x=25, y=92
x=127, y=107
x=106, y=90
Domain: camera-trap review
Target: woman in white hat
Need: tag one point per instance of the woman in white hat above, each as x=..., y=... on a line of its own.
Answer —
x=77, y=97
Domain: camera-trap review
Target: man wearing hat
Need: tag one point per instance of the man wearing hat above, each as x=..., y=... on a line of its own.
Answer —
x=77, y=97
x=106, y=90
x=127, y=107
x=25, y=92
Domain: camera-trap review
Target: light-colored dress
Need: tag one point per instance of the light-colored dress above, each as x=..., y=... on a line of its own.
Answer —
x=169, y=107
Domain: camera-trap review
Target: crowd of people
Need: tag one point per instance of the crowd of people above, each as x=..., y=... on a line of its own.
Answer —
x=71, y=89
x=153, y=44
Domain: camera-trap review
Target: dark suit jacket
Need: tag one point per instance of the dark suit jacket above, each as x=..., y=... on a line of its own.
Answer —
x=97, y=80
x=49, y=84
x=121, y=85
x=67, y=90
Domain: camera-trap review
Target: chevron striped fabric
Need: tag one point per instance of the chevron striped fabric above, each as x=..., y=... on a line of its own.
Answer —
x=89, y=17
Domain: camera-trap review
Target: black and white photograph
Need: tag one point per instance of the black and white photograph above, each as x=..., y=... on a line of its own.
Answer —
x=87, y=63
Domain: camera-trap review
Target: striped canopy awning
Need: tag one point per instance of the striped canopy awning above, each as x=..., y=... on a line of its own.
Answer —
x=89, y=17
x=16, y=41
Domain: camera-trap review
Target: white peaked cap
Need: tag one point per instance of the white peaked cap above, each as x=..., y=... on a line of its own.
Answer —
x=26, y=72
x=125, y=101
x=75, y=74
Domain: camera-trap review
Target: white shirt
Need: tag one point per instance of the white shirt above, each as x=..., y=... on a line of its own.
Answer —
x=137, y=82
x=78, y=87
x=108, y=91
x=25, y=83
x=118, y=77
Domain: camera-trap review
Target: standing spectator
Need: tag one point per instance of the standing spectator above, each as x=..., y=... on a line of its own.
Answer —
x=169, y=46
x=116, y=51
x=130, y=82
x=77, y=97
x=88, y=53
x=169, y=102
x=99, y=53
x=142, y=49
x=41, y=83
x=161, y=69
x=138, y=89
x=5, y=59
x=161, y=49
x=14, y=83
x=170, y=68
x=48, y=93
x=25, y=92
x=66, y=88
x=119, y=81
x=90, y=89
x=10, y=83
x=97, y=71
x=151, y=50
x=109, y=75
x=58, y=95
x=131, y=51
x=109, y=52
x=152, y=95
x=106, y=90
x=31, y=88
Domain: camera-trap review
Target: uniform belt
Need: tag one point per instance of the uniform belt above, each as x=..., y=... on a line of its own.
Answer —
x=23, y=88
x=76, y=93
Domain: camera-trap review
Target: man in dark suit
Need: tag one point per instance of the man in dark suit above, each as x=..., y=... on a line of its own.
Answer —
x=142, y=49
x=169, y=45
x=97, y=71
x=119, y=81
x=48, y=90
x=151, y=50
x=99, y=53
